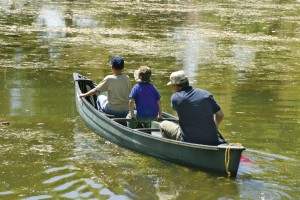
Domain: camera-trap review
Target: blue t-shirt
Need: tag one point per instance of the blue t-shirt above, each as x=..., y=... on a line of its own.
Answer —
x=195, y=109
x=145, y=96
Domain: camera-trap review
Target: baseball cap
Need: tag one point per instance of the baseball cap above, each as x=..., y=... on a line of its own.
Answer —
x=177, y=78
x=117, y=62
x=142, y=74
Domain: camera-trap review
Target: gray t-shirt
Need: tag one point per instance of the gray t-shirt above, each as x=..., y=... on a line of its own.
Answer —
x=118, y=89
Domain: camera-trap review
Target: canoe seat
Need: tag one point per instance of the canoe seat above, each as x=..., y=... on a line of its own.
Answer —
x=151, y=131
x=147, y=129
x=121, y=119
x=170, y=119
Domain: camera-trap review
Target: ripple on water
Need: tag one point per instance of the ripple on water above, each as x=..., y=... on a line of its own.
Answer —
x=67, y=182
x=266, y=176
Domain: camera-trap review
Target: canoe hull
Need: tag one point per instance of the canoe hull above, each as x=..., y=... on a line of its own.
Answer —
x=202, y=157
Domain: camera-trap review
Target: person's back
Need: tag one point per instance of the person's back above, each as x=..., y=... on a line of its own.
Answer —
x=195, y=111
x=146, y=97
x=117, y=86
x=118, y=89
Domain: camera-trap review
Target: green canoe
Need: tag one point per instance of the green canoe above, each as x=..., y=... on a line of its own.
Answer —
x=221, y=159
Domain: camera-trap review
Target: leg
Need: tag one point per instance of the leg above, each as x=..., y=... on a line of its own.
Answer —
x=146, y=122
x=102, y=102
x=170, y=130
x=133, y=123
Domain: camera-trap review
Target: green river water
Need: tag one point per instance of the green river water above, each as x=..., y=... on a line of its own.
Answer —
x=246, y=53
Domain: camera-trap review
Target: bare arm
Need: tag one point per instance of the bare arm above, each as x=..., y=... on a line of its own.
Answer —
x=92, y=91
x=131, y=108
x=159, y=110
x=219, y=117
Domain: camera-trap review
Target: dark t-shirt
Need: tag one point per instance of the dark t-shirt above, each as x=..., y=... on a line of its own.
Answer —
x=195, y=109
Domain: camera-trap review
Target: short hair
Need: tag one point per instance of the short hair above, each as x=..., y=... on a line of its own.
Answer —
x=142, y=74
x=118, y=67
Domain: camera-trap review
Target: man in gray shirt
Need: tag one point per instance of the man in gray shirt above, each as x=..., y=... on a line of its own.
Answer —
x=118, y=88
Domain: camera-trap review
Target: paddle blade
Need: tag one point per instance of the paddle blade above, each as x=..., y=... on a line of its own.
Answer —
x=245, y=159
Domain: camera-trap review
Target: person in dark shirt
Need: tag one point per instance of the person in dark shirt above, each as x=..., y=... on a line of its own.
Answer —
x=198, y=112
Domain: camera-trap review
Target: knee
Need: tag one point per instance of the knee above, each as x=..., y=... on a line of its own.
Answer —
x=163, y=128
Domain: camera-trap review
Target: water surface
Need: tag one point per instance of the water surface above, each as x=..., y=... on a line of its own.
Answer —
x=245, y=53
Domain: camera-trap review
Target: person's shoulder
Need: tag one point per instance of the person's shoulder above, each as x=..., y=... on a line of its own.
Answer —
x=176, y=95
x=136, y=85
x=110, y=76
x=201, y=90
x=149, y=84
x=125, y=75
x=203, y=93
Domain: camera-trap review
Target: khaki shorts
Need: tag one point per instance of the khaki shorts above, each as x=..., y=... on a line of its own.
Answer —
x=170, y=130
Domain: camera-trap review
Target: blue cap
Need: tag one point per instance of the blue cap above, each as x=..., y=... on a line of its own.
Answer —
x=117, y=62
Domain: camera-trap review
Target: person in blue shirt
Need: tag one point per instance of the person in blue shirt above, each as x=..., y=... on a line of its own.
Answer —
x=144, y=100
x=198, y=112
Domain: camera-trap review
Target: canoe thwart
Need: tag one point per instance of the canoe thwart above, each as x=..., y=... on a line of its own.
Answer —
x=147, y=129
x=122, y=119
x=129, y=120
x=170, y=119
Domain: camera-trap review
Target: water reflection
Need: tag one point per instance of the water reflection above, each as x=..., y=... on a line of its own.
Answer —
x=244, y=56
x=141, y=178
x=84, y=22
x=18, y=55
x=69, y=181
x=193, y=50
x=8, y=6
x=263, y=111
x=39, y=197
x=20, y=101
x=53, y=19
x=5, y=7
